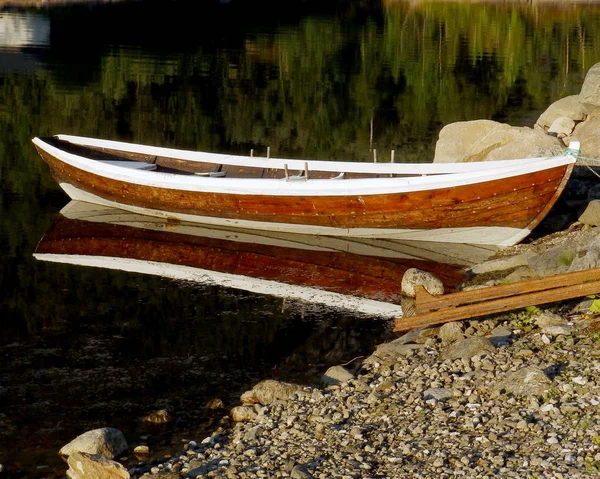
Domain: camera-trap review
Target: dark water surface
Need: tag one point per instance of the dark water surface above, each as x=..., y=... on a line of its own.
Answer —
x=85, y=347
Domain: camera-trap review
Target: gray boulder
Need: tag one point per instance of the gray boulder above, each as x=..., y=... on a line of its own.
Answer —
x=467, y=348
x=568, y=107
x=414, y=277
x=94, y=466
x=268, y=391
x=107, y=441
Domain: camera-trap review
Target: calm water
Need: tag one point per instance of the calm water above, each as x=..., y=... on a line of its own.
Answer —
x=83, y=347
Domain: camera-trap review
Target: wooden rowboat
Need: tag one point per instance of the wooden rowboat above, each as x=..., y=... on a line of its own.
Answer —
x=489, y=203
x=285, y=265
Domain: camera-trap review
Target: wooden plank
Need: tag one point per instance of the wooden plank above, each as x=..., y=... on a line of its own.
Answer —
x=500, y=305
x=427, y=303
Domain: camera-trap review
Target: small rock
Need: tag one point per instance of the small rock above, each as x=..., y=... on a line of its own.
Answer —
x=558, y=329
x=500, y=336
x=415, y=277
x=439, y=394
x=467, y=348
x=141, y=450
x=215, y=403
x=528, y=381
x=451, y=332
x=547, y=318
x=300, y=472
x=268, y=391
x=94, y=466
x=107, y=441
x=161, y=416
x=336, y=375
x=243, y=413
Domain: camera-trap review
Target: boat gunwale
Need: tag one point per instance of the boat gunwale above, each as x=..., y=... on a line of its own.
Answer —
x=310, y=187
x=299, y=164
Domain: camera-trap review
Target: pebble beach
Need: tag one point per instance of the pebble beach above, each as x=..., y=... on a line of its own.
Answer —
x=514, y=396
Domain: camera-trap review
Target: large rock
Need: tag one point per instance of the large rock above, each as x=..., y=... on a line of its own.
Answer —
x=467, y=140
x=94, y=466
x=561, y=127
x=486, y=140
x=467, y=348
x=268, y=391
x=588, y=134
x=589, y=96
x=528, y=381
x=107, y=441
x=569, y=107
x=414, y=277
x=523, y=142
x=336, y=375
x=591, y=214
x=588, y=259
x=566, y=256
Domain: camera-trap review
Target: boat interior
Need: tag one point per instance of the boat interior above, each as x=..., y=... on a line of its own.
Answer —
x=207, y=169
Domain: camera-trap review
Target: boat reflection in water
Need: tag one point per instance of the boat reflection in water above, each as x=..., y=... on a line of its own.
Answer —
x=358, y=274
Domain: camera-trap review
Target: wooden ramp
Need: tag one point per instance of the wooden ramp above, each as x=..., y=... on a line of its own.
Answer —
x=431, y=310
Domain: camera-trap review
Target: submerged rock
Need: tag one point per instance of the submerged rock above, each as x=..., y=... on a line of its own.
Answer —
x=107, y=441
x=161, y=416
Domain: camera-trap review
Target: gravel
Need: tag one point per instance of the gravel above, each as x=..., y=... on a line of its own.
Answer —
x=526, y=408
